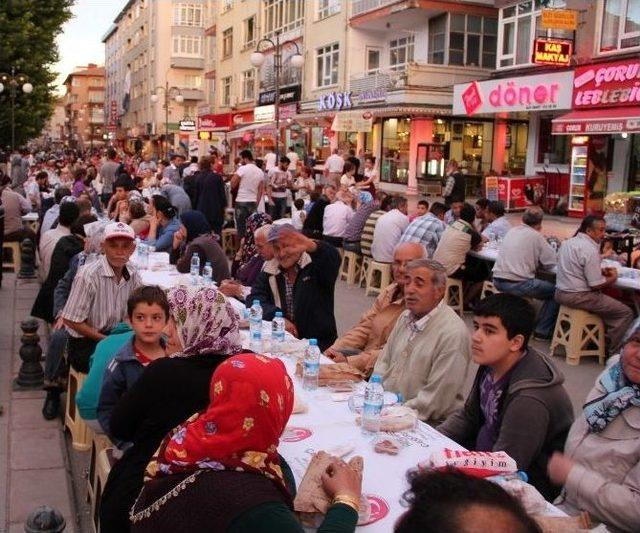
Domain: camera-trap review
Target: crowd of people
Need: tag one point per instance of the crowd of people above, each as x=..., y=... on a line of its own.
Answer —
x=171, y=386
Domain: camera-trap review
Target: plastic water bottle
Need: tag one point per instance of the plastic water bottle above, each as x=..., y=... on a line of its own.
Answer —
x=207, y=274
x=138, y=252
x=195, y=269
x=255, y=326
x=372, y=408
x=311, y=368
x=143, y=255
x=277, y=334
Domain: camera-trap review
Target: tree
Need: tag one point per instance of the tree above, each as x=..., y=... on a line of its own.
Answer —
x=28, y=30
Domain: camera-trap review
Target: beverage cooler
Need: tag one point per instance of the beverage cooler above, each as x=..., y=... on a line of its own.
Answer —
x=588, y=177
x=430, y=165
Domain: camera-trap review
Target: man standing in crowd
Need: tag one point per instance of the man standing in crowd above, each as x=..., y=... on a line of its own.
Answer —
x=333, y=167
x=498, y=223
x=427, y=229
x=249, y=180
x=279, y=178
x=293, y=158
x=362, y=344
x=388, y=230
x=580, y=280
x=108, y=173
x=300, y=282
x=427, y=355
x=270, y=160
x=524, y=250
x=171, y=174
x=454, y=188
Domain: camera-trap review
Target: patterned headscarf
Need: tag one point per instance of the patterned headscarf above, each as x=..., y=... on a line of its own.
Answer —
x=255, y=221
x=205, y=320
x=251, y=399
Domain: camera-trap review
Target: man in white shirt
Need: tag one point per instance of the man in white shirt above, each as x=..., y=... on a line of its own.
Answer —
x=35, y=189
x=269, y=160
x=293, y=160
x=333, y=168
x=336, y=218
x=388, y=231
x=498, y=224
x=523, y=250
x=278, y=179
x=249, y=180
x=69, y=212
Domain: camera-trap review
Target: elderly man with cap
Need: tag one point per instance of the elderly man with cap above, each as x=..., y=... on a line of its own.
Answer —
x=99, y=294
x=300, y=282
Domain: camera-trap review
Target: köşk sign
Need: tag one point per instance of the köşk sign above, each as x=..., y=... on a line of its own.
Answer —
x=607, y=85
x=552, y=52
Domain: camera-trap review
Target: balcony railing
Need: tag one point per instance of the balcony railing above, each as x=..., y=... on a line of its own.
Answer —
x=362, y=6
x=378, y=79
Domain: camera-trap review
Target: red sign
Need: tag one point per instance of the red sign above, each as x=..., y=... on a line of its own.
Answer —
x=594, y=127
x=471, y=98
x=607, y=85
x=552, y=51
x=214, y=122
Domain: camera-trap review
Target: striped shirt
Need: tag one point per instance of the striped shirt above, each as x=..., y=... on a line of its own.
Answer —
x=426, y=230
x=97, y=298
x=367, y=233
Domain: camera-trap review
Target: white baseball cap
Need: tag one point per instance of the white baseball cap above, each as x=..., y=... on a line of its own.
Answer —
x=119, y=230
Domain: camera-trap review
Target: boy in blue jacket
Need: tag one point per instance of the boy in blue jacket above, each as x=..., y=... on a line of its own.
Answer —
x=148, y=311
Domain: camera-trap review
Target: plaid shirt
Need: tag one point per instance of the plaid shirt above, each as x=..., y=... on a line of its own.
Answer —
x=354, y=228
x=427, y=230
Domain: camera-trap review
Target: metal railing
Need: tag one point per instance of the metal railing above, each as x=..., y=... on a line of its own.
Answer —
x=362, y=6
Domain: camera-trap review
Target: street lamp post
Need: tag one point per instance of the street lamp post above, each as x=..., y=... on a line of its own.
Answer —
x=168, y=91
x=14, y=80
x=257, y=60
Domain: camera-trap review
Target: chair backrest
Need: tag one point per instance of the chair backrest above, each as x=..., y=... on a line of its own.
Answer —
x=366, y=239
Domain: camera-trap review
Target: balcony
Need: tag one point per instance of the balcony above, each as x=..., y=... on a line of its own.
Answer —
x=188, y=62
x=358, y=7
x=378, y=14
x=192, y=94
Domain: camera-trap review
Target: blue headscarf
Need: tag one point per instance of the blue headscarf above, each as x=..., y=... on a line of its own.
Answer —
x=195, y=223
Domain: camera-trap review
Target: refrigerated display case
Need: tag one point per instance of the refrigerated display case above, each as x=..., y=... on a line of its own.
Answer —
x=430, y=166
x=588, y=177
x=577, y=178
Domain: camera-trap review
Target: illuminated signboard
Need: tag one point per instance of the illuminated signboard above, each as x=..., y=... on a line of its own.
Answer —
x=552, y=52
x=607, y=85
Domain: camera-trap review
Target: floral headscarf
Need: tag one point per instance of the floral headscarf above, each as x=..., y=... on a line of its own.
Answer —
x=251, y=399
x=205, y=320
x=255, y=221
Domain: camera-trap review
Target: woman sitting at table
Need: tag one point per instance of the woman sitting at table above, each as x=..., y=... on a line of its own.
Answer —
x=201, y=333
x=163, y=224
x=195, y=237
x=222, y=466
x=600, y=470
x=248, y=262
x=139, y=220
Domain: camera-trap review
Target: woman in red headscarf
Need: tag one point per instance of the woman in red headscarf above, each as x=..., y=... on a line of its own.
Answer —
x=221, y=471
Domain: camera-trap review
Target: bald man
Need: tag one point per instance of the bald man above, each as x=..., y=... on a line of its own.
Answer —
x=362, y=344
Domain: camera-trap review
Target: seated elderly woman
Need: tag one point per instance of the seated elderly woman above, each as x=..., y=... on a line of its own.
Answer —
x=222, y=466
x=195, y=237
x=600, y=470
x=163, y=224
x=202, y=331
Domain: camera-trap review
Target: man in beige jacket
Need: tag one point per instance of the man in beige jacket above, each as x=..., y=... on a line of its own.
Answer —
x=367, y=338
x=427, y=356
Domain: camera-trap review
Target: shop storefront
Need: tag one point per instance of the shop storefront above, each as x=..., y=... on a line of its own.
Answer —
x=604, y=132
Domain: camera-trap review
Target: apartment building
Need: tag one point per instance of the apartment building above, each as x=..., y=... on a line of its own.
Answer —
x=155, y=57
x=84, y=106
x=54, y=130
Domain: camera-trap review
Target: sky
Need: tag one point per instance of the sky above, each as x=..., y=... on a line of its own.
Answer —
x=81, y=40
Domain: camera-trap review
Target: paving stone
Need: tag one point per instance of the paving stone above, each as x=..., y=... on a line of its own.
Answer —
x=32, y=488
x=36, y=449
x=27, y=414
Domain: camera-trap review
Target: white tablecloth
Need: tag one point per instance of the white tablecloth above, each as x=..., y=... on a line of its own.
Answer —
x=30, y=217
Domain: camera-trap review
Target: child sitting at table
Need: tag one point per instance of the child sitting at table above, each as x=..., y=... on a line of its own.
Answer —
x=148, y=312
x=517, y=403
x=421, y=209
x=298, y=215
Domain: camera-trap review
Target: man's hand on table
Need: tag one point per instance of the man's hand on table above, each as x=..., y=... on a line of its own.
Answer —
x=233, y=288
x=290, y=327
x=559, y=467
x=335, y=356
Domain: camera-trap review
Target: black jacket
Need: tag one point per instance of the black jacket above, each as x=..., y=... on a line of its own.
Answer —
x=459, y=188
x=312, y=294
x=210, y=198
x=535, y=416
x=313, y=223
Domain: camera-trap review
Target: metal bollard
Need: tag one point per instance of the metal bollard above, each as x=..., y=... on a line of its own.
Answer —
x=27, y=260
x=31, y=375
x=45, y=519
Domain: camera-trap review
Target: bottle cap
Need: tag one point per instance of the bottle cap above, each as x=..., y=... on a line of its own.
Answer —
x=375, y=379
x=256, y=302
x=278, y=314
x=313, y=342
x=207, y=264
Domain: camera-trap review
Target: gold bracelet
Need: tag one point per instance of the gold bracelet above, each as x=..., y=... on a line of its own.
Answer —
x=348, y=500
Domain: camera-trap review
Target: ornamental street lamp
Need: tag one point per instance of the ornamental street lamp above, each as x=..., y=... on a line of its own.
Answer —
x=13, y=81
x=257, y=60
x=169, y=92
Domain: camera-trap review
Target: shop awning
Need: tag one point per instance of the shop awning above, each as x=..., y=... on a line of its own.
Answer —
x=598, y=121
x=377, y=112
x=259, y=128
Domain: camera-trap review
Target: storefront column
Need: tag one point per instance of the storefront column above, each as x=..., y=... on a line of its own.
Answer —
x=360, y=142
x=499, y=142
x=421, y=132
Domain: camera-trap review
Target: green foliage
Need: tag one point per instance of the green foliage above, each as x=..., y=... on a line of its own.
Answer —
x=28, y=29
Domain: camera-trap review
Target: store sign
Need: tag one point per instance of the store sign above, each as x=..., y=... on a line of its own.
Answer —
x=214, y=122
x=597, y=126
x=187, y=125
x=287, y=95
x=607, y=85
x=555, y=52
x=372, y=95
x=351, y=121
x=526, y=93
x=559, y=19
x=264, y=113
x=335, y=101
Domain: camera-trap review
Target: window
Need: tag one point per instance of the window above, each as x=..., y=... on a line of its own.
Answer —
x=620, y=25
x=326, y=8
x=192, y=81
x=227, y=5
x=190, y=110
x=373, y=60
x=552, y=149
x=187, y=46
x=327, y=59
x=282, y=15
x=227, y=42
x=248, y=85
x=249, y=31
x=519, y=26
x=187, y=15
x=470, y=41
x=401, y=51
x=226, y=91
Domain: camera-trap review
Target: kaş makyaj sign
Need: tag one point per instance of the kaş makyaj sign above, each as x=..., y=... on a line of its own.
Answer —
x=552, y=51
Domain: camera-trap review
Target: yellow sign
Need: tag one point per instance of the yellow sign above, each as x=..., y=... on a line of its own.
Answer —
x=559, y=19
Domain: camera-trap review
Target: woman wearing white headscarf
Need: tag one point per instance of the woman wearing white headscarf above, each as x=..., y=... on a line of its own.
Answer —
x=201, y=333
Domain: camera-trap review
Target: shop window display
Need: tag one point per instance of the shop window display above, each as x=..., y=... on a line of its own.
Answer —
x=552, y=149
x=395, y=150
x=516, y=147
